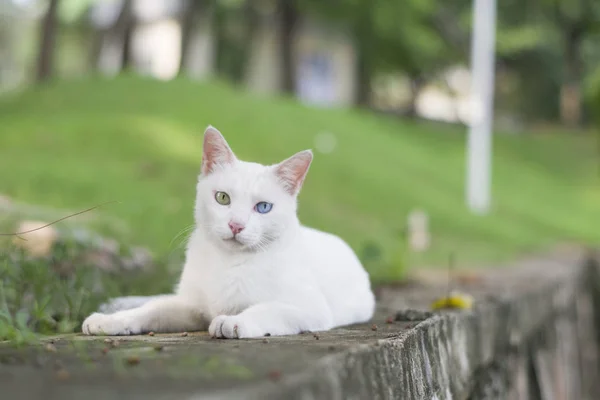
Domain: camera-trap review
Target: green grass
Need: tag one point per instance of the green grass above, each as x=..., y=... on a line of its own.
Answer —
x=35, y=299
x=79, y=143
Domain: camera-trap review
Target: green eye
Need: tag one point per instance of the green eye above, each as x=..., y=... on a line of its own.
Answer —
x=222, y=198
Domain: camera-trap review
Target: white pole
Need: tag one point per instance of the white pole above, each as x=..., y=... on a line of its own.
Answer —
x=479, y=146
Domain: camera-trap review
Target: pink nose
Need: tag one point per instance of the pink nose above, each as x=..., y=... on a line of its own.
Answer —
x=235, y=227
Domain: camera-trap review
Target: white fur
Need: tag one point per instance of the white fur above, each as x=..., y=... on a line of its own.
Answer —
x=276, y=276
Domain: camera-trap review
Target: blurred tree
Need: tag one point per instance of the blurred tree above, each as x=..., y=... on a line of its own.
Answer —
x=527, y=62
x=389, y=36
x=528, y=52
x=124, y=27
x=575, y=20
x=252, y=19
x=409, y=42
x=356, y=16
x=235, y=21
x=289, y=15
x=541, y=43
x=191, y=12
x=120, y=30
x=98, y=36
x=79, y=32
x=47, y=42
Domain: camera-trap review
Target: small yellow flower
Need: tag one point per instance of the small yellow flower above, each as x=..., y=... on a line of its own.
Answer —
x=456, y=300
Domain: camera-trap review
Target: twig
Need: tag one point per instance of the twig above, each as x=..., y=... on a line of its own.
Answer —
x=450, y=275
x=18, y=234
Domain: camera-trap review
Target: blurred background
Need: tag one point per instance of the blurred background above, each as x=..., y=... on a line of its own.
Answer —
x=106, y=100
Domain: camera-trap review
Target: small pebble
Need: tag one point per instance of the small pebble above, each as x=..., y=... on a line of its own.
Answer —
x=316, y=336
x=413, y=315
x=151, y=333
x=51, y=348
x=265, y=340
x=133, y=360
x=184, y=334
x=115, y=343
x=109, y=341
x=62, y=374
x=373, y=327
x=389, y=320
x=275, y=375
x=267, y=334
x=105, y=350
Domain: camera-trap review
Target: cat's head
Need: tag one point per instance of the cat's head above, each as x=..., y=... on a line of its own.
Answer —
x=245, y=206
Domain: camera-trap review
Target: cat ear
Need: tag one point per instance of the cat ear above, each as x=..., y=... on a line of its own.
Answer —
x=291, y=172
x=215, y=151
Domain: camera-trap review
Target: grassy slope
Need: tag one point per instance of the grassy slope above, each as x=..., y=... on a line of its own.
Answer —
x=79, y=143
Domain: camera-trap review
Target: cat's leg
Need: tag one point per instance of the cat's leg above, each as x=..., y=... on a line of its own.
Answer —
x=165, y=314
x=126, y=303
x=276, y=319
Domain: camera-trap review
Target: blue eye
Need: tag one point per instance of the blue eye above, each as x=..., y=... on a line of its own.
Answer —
x=263, y=207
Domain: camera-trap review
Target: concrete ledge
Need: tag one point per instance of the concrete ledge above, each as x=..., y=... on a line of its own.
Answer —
x=533, y=334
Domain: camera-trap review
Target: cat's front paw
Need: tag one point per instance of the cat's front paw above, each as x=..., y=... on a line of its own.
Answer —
x=232, y=327
x=109, y=324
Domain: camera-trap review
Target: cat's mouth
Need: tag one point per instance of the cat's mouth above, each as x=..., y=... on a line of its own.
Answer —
x=236, y=244
x=234, y=241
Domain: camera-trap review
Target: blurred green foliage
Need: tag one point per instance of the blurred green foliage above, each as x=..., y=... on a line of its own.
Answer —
x=36, y=298
x=53, y=294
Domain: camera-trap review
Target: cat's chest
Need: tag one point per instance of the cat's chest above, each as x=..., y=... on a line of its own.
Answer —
x=234, y=289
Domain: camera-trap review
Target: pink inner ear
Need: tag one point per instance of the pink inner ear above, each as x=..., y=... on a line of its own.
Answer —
x=292, y=171
x=215, y=151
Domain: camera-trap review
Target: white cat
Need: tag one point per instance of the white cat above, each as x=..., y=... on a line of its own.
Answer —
x=251, y=268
